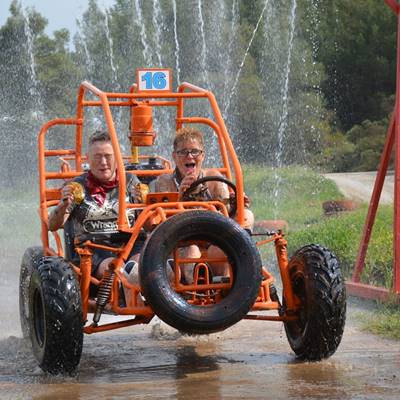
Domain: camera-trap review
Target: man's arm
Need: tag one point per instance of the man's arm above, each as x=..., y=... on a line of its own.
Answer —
x=57, y=218
x=62, y=211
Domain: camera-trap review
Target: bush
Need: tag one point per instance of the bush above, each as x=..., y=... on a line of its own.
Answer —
x=369, y=140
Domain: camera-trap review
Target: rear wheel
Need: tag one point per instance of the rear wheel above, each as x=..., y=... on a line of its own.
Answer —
x=318, y=283
x=55, y=310
x=224, y=309
x=30, y=262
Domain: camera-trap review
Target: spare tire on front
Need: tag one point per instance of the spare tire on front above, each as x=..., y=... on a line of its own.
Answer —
x=217, y=230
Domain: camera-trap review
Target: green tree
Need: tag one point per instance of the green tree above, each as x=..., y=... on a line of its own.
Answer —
x=58, y=74
x=38, y=81
x=18, y=84
x=356, y=42
x=91, y=45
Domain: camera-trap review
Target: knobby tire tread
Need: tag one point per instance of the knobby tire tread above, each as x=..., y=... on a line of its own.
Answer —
x=61, y=347
x=325, y=302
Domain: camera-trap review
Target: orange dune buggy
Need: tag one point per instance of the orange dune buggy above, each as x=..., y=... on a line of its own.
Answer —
x=60, y=300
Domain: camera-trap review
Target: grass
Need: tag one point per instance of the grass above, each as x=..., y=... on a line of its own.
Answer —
x=292, y=194
x=342, y=234
x=296, y=195
x=384, y=322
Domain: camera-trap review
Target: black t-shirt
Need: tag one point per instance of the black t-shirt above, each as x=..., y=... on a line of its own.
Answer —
x=89, y=217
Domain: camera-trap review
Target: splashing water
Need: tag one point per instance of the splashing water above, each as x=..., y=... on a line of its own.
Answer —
x=232, y=92
x=34, y=88
x=88, y=59
x=203, y=63
x=157, y=23
x=93, y=119
x=143, y=36
x=315, y=19
x=115, y=80
x=335, y=71
x=163, y=122
x=283, y=122
x=285, y=90
x=233, y=32
x=110, y=49
x=178, y=71
x=235, y=19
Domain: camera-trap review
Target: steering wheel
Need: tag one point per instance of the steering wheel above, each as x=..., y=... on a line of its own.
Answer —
x=232, y=200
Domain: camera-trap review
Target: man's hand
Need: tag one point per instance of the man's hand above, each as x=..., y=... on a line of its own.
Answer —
x=67, y=198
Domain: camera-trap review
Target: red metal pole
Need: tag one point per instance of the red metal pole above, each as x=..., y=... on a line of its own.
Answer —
x=396, y=266
x=373, y=205
x=393, y=5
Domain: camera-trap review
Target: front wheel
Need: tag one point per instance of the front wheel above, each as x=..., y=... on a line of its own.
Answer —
x=208, y=313
x=55, y=310
x=318, y=283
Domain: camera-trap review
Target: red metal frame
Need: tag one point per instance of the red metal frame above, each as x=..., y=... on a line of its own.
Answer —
x=354, y=287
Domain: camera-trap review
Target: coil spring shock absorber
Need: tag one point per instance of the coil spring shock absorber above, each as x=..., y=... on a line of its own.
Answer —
x=103, y=294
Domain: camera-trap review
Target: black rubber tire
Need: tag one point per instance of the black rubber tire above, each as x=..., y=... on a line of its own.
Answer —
x=220, y=231
x=55, y=308
x=30, y=261
x=317, y=281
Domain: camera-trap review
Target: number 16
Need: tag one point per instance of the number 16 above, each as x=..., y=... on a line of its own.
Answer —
x=156, y=80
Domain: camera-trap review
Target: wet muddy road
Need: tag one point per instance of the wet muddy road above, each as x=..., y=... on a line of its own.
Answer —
x=251, y=360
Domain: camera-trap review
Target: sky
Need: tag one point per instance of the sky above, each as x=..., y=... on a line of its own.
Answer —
x=59, y=13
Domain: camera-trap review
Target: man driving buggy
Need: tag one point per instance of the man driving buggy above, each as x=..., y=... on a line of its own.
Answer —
x=97, y=211
x=188, y=155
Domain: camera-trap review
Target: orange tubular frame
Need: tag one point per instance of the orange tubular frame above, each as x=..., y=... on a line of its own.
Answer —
x=159, y=212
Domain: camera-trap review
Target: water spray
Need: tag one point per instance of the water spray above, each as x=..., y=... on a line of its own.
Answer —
x=228, y=103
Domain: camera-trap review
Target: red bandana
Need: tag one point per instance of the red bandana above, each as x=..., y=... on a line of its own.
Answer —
x=99, y=189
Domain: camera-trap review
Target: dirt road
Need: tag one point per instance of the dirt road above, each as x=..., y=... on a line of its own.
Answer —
x=359, y=185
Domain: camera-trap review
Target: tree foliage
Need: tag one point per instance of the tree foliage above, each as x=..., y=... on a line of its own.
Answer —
x=356, y=43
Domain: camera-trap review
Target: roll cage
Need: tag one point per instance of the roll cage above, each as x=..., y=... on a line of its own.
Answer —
x=158, y=211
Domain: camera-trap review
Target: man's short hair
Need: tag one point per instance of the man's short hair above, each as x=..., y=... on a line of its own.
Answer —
x=99, y=136
x=187, y=133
